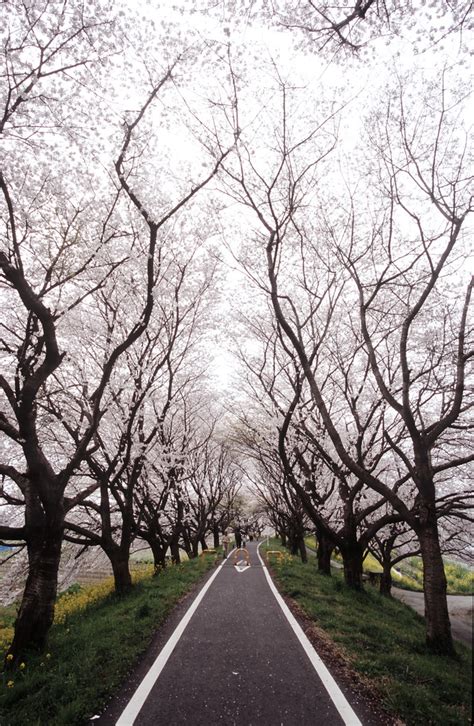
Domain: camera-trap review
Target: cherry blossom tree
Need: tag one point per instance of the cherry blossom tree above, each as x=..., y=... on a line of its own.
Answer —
x=60, y=245
x=131, y=433
x=390, y=247
x=345, y=29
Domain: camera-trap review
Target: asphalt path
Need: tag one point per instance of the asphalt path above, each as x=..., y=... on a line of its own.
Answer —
x=237, y=662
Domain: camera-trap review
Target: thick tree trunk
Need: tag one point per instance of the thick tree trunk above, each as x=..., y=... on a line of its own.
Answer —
x=203, y=543
x=302, y=549
x=293, y=544
x=159, y=556
x=324, y=553
x=215, y=532
x=178, y=530
x=175, y=555
x=121, y=569
x=190, y=545
x=438, y=626
x=36, y=613
x=352, y=559
x=283, y=539
x=386, y=579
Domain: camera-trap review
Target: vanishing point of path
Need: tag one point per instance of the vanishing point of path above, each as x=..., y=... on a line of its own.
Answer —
x=237, y=662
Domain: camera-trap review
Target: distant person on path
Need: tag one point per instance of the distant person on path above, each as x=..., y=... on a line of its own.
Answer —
x=225, y=545
x=238, y=537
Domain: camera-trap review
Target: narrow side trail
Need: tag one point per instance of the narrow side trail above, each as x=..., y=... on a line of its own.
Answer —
x=236, y=660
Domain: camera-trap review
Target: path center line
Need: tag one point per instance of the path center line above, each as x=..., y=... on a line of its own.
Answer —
x=136, y=702
x=341, y=703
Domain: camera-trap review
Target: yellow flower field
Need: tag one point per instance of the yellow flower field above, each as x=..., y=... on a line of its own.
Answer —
x=73, y=602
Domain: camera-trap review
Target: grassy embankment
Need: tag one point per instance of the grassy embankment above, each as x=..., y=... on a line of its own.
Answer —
x=384, y=641
x=94, y=642
x=460, y=579
x=408, y=574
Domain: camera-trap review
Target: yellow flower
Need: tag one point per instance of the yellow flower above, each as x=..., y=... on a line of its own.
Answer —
x=9, y=657
x=48, y=655
x=10, y=684
x=22, y=666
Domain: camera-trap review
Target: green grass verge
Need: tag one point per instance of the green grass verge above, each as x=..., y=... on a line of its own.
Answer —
x=385, y=641
x=91, y=653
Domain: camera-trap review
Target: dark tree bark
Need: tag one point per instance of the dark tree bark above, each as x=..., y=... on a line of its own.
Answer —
x=215, y=534
x=438, y=626
x=324, y=553
x=386, y=579
x=352, y=557
x=174, y=549
x=36, y=613
x=203, y=543
x=302, y=550
x=159, y=556
x=293, y=545
x=121, y=569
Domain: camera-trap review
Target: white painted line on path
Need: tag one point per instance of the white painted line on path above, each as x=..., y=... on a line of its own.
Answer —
x=136, y=702
x=242, y=568
x=335, y=693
